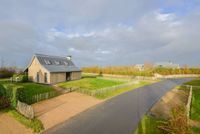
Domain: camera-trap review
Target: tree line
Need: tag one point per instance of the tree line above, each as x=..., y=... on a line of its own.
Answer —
x=132, y=70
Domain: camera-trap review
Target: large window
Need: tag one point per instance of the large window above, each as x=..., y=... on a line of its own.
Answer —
x=45, y=77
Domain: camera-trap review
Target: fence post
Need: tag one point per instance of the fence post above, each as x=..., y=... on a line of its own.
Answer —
x=189, y=103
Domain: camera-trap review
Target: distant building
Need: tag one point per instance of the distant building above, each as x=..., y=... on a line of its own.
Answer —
x=140, y=67
x=52, y=69
x=167, y=65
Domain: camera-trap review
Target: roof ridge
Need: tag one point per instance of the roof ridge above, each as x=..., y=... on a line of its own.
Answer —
x=45, y=55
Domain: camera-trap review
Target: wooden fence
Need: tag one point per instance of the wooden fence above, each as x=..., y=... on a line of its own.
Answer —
x=39, y=97
x=189, y=102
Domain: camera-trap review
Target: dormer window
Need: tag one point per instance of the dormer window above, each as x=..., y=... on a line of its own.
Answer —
x=65, y=63
x=57, y=62
x=47, y=62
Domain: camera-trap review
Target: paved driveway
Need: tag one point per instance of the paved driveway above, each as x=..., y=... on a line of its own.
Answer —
x=56, y=110
x=9, y=125
x=119, y=115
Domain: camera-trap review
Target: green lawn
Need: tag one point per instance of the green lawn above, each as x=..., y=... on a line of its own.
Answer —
x=95, y=86
x=122, y=90
x=90, y=83
x=148, y=125
x=195, y=107
x=34, y=88
x=193, y=82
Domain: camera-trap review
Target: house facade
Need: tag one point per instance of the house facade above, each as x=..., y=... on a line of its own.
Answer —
x=48, y=69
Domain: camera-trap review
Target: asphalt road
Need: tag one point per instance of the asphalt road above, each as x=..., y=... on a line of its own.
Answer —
x=119, y=115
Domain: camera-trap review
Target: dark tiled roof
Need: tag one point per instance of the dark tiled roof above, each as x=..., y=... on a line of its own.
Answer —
x=56, y=63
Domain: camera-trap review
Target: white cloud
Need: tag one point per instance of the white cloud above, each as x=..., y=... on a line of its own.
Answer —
x=98, y=32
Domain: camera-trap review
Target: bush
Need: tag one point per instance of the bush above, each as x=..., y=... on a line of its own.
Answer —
x=6, y=72
x=4, y=102
x=12, y=93
x=2, y=91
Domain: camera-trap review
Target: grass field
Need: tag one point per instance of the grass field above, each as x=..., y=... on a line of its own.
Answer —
x=148, y=125
x=122, y=90
x=90, y=83
x=95, y=86
x=195, y=106
x=193, y=82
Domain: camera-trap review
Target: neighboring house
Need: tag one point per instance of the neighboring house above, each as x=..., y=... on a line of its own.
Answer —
x=52, y=69
x=140, y=67
x=167, y=65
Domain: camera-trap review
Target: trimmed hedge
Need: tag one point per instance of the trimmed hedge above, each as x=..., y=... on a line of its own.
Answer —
x=24, y=96
x=2, y=91
x=12, y=93
x=4, y=101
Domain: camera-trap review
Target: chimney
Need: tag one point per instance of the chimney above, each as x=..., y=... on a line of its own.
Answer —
x=69, y=57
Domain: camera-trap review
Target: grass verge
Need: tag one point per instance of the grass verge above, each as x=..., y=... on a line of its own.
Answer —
x=193, y=82
x=195, y=106
x=34, y=124
x=148, y=125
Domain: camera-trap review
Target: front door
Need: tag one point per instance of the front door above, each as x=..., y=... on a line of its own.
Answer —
x=68, y=76
x=38, y=77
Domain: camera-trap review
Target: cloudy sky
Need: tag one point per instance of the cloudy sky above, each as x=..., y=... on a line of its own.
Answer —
x=101, y=32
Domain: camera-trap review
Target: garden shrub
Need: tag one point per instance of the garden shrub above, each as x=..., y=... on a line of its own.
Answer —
x=12, y=93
